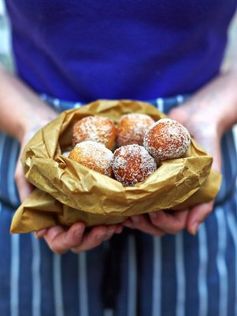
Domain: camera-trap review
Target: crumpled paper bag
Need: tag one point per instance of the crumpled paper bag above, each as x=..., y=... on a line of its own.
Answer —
x=67, y=192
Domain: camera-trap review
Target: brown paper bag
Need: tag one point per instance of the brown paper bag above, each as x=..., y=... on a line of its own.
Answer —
x=67, y=192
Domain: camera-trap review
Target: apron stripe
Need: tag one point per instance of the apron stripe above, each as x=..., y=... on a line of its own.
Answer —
x=202, y=273
x=231, y=152
x=15, y=239
x=157, y=269
x=36, y=280
x=3, y=139
x=232, y=223
x=108, y=312
x=83, y=295
x=160, y=104
x=14, y=277
x=221, y=264
x=58, y=291
x=132, y=282
x=180, y=275
x=11, y=172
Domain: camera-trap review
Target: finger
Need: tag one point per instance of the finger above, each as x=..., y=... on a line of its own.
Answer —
x=143, y=224
x=24, y=187
x=94, y=238
x=119, y=229
x=197, y=215
x=128, y=223
x=169, y=223
x=178, y=114
x=60, y=240
x=40, y=233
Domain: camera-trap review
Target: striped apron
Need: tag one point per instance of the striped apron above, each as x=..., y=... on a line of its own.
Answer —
x=177, y=275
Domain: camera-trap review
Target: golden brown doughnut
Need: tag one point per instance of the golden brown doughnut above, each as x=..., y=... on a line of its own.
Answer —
x=95, y=128
x=132, y=164
x=93, y=155
x=132, y=128
x=167, y=139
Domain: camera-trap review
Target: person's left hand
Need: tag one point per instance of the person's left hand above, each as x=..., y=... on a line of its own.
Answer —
x=202, y=120
x=159, y=223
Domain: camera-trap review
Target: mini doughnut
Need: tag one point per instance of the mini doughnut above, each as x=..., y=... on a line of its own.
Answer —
x=132, y=164
x=95, y=128
x=132, y=128
x=167, y=139
x=93, y=155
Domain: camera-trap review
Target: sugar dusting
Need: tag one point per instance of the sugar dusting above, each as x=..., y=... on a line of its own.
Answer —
x=133, y=133
x=167, y=139
x=96, y=155
x=132, y=164
x=94, y=128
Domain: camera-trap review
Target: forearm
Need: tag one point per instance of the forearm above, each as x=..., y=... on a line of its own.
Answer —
x=217, y=101
x=20, y=108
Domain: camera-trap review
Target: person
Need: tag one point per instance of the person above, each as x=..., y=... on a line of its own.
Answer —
x=168, y=53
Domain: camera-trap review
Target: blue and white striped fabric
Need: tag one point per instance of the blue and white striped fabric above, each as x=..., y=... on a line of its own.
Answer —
x=170, y=276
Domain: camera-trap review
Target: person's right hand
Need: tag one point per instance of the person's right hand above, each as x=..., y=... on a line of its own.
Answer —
x=59, y=239
x=76, y=238
x=23, y=186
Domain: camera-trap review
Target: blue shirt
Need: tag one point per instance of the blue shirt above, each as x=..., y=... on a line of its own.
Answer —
x=85, y=50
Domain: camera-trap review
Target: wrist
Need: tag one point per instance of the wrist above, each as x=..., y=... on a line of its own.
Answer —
x=33, y=119
x=29, y=129
x=216, y=103
x=21, y=109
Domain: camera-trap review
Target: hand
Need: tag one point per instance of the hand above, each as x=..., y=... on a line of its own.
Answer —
x=58, y=238
x=163, y=222
x=204, y=117
x=202, y=122
x=159, y=223
x=76, y=238
x=23, y=186
x=205, y=132
x=22, y=113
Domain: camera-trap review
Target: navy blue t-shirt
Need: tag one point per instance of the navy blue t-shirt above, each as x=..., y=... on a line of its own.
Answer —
x=81, y=50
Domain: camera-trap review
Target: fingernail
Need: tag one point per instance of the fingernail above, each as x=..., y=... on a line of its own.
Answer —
x=39, y=234
x=136, y=219
x=78, y=232
x=79, y=227
x=194, y=228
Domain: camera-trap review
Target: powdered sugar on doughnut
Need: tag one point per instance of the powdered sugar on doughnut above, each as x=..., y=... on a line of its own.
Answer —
x=95, y=128
x=132, y=128
x=167, y=139
x=94, y=156
x=132, y=164
x=90, y=129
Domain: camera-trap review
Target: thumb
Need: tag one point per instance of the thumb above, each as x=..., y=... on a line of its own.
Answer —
x=24, y=187
x=197, y=215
